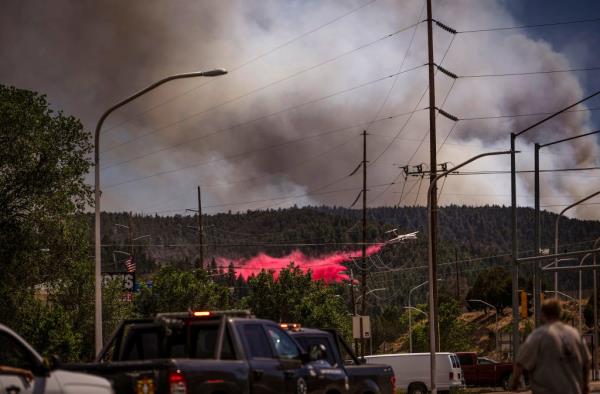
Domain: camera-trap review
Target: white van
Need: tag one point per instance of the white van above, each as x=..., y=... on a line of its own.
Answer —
x=412, y=371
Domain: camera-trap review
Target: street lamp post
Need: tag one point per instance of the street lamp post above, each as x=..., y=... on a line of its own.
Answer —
x=557, y=293
x=537, y=283
x=361, y=324
x=495, y=312
x=556, y=230
x=369, y=292
x=410, y=308
x=410, y=345
x=97, y=193
x=430, y=248
x=513, y=200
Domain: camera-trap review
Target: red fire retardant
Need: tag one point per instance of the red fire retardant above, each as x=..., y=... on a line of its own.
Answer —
x=326, y=267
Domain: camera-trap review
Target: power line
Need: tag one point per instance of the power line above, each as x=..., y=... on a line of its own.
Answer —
x=262, y=117
x=529, y=114
x=395, y=179
x=530, y=72
x=530, y=26
x=221, y=184
x=499, y=172
x=295, y=196
x=404, y=57
x=245, y=63
x=261, y=88
x=186, y=143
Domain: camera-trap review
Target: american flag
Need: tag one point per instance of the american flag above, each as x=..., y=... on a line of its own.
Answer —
x=130, y=264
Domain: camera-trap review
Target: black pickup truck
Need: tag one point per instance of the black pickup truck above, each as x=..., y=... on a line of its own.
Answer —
x=211, y=352
x=364, y=378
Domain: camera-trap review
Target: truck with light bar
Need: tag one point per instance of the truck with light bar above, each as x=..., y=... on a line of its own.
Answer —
x=214, y=353
x=364, y=378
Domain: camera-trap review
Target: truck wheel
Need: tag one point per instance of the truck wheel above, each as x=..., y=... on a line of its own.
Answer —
x=417, y=388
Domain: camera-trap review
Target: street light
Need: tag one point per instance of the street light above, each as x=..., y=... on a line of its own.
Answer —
x=513, y=209
x=98, y=258
x=556, y=230
x=495, y=311
x=430, y=258
x=367, y=293
x=537, y=283
x=580, y=284
x=557, y=293
x=355, y=302
x=410, y=307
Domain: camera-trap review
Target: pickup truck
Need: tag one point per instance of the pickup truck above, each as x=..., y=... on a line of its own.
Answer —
x=483, y=371
x=210, y=352
x=23, y=371
x=364, y=378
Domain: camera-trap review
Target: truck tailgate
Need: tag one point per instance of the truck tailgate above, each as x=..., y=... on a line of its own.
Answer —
x=143, y=376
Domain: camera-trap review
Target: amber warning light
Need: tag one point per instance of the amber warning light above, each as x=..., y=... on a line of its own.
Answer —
x=291, y=326
x=201, y=313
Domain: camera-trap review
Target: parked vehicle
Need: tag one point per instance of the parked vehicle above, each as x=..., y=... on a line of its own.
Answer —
x=23, y=371
x=483, y=371
x=371, y=378
x=211, y=352
x=412, y=371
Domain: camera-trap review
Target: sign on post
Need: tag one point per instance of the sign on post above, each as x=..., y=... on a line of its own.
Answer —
x=127, y=278
x=356, y=326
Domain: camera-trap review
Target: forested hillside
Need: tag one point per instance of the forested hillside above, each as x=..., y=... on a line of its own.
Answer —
x=471, y=239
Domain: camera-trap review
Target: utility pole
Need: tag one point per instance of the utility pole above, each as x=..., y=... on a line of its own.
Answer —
x=537, y=271
x=200, y=263
x=363, y=309
x=353, y=306
x=457, y=276
x=433, y=195
x=130, y=231
x=515, y=250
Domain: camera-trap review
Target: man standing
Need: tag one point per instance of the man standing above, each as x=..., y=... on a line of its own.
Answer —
x=555, y=356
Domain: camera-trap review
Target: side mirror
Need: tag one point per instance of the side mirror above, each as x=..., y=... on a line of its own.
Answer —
x=55, y=362
x=49, y=365
x=317, y=352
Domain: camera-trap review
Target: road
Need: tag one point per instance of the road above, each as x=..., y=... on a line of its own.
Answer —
x=594, y=386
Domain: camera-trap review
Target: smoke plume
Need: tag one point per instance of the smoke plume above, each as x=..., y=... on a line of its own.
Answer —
x=287, y=123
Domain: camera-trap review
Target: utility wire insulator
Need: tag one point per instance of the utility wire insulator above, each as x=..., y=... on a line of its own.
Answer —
x=445, y=27
x=419, y=168
x=356, y=169
x=448, y=73
x=356, y=200
x=447, y=115
x=405, y=169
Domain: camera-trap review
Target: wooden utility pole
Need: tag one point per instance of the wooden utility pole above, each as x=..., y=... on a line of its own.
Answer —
x=353, y=307
x=200, y=263
x=363, y=309
x=433, y=196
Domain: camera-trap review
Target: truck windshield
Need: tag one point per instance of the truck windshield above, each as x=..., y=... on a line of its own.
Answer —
x=193, y=341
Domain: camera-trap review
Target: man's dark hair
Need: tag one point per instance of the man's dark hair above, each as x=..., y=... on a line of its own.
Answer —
x=551, y=309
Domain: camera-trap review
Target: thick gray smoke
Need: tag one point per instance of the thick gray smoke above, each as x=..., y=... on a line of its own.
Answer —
x=86, y=55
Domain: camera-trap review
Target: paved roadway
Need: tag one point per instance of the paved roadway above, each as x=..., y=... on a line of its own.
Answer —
x=594, y=386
